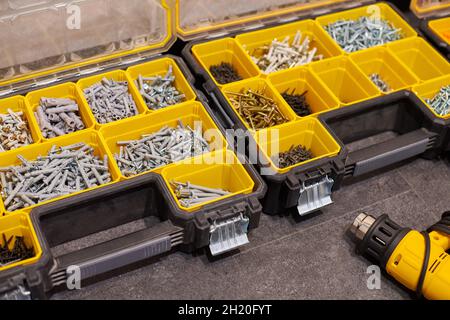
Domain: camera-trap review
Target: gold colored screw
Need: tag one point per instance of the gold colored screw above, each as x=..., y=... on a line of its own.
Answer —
x=258, y=110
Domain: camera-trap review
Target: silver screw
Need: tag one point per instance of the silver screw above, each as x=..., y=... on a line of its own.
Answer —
x=190, y=194
x=355, y=35
x=441, y=101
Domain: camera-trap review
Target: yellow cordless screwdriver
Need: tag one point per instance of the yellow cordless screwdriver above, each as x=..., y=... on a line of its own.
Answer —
x=418, y=260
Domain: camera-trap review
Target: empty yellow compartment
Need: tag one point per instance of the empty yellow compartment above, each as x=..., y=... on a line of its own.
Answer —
x=66, y=90
x=262, y=86
x=301, y=80
x=32, y=152
x=421, y=58
x=253, y=41
x=19, y=225
x=160, y=67
x=441, y=27
x=308, y=132
x=20, y=104
x=189, y=113
x=429, y=89
x=380, y=61
x=226, y=173
x=347, y=82
x=116, y=75
x=379, y=10
x=227, y=50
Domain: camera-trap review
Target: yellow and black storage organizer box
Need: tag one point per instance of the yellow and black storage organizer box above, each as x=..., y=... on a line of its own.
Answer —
x=339, y=83
x=55, y=61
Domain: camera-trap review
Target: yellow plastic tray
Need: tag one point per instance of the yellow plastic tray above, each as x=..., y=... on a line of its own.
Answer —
x=260, y=85
x=20, y=104
x=65, y=90
x=381, y=10
x=348, y=83
x=441, y=27
x=188, y=113
x=380, y=61
x=116, y=75
x=252, y=41
x=160, y=67
x=225, y=172
x=318, y=96
x=429, y=89
x=421, y=58
x=225, y=50
x=31, y=152
x=308, y=132
x=19, y=224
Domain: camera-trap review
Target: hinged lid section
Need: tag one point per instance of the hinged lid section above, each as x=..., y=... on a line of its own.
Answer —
x=315, y=196
x=228, y=234
x=209, y=18
x=46, y=36
x=427, y=8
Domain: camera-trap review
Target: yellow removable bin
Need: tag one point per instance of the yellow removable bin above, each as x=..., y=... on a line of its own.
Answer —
x=259, y=85
x=30, y=153
x=380, y=61
x=20, y=104
x=379, y=10
x=253, y=41
x=225, y=173
x=308, y=132
x=225, y=50
x=132, y=129
x=160, y=67
x=19, y=224
x=300, y=80
x=421, y=58
x=66, y=90
x=116, y=75
x=441, y=27
x=347, y=82
x=429, y=89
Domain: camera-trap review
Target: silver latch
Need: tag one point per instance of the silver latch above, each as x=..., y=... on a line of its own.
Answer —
x=228, y=234
x=20, y=293
x=315, y=196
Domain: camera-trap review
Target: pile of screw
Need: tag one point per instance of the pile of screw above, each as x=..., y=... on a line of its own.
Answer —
x=380, y=82
x=441, y=101
x=355, y=35
x=159, y=92
x=57, y=117
x=190, y=194
x=280, y=55
x=297, y=102
x=154, y=150
x=295, y=154
x=14, y=131
x=64, y=170
x=19, y=251
x=258, y=110
x=225, y=73
x=110, y=101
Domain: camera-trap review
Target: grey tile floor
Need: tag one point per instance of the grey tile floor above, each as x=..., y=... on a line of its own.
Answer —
x=290, y=259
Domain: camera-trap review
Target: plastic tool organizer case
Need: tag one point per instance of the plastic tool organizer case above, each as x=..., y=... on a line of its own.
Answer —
x=338, y=84
x=118, y=44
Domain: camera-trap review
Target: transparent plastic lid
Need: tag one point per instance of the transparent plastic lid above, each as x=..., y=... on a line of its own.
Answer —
x=426, y=8
x=202, y=18
x=38, y=35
